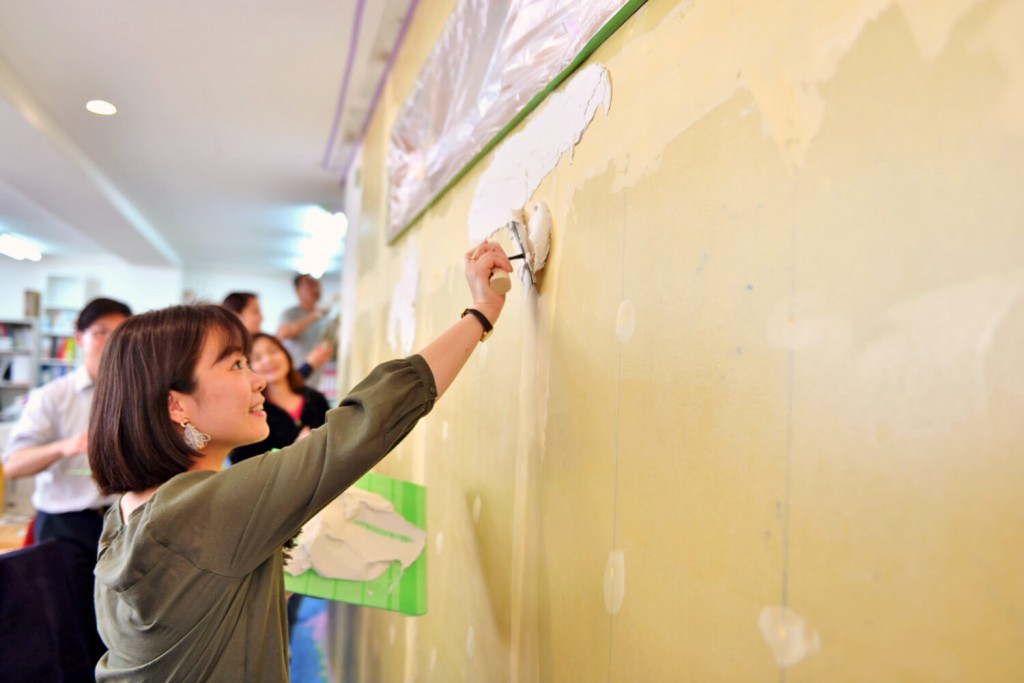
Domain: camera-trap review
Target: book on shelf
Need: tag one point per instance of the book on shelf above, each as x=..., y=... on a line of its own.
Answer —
x=16, y=370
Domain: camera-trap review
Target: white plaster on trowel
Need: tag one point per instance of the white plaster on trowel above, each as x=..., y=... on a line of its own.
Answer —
x=625, y=321
x=342, y=541
x=614, y=581
x=786, y=634
x=402, y=312
x=522, y=160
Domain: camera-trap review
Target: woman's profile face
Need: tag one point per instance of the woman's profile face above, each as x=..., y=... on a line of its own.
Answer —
x=227, y=403
x=269, y=361
x=252, y=316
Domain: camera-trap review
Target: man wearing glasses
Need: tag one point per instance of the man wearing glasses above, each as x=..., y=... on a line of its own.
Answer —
x=49, y=442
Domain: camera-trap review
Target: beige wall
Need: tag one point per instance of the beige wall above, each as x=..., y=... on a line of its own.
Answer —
x=815, y=214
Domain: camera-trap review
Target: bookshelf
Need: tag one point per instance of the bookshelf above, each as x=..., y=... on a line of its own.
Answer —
x=19, y=356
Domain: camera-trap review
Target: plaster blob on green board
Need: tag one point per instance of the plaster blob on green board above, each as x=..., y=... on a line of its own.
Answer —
x=366, y=548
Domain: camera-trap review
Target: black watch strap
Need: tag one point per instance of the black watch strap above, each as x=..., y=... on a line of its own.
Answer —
x=488, y=327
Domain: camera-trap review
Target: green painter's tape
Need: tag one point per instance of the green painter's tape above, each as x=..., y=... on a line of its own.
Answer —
x=394, y=590
x=613, y=25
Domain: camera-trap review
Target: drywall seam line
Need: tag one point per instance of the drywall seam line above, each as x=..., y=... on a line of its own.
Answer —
x=399, y=39
x=357, y=26
x=618, y=409
x=613, y=25
x=790, y=390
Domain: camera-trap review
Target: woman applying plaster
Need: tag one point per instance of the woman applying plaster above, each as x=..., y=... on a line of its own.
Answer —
x=186, y=587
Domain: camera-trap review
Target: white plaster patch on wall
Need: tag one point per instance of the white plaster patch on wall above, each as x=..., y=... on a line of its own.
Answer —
x=391, y=634
x=402, y=312
x=470, y=644
x=625, y=321
x=787, y=635
x=433, y=659
x=614, y=581
x=477, y=505
x=522, y=160
x=444, y=430
x=439, y=542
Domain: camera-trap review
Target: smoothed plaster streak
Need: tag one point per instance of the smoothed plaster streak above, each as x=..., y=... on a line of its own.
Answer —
x=523, y=159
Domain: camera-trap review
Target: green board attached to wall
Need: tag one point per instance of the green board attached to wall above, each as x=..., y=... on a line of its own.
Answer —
x=395, y=590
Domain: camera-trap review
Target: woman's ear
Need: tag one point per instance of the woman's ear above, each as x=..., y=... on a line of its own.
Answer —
x=174, y=407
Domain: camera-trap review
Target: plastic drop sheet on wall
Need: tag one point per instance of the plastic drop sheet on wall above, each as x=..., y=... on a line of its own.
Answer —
x=490, y=61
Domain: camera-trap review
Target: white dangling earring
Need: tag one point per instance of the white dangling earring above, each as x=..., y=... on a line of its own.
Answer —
x=194, y=438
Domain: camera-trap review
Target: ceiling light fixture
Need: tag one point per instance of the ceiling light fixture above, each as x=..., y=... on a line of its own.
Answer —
x=19, y=248
x=101, y=107
x=326, y=234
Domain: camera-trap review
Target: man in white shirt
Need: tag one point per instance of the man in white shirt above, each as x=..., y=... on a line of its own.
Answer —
x=49, y=442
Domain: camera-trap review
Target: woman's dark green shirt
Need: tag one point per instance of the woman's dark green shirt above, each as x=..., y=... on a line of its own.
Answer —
x=192, y=587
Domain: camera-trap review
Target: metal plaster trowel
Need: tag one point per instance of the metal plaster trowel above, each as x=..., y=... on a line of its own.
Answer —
x=531, y=233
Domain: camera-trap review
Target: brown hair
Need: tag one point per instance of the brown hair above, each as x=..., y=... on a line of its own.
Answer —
x=295, y=380
x=133, y=444
x=237, y=301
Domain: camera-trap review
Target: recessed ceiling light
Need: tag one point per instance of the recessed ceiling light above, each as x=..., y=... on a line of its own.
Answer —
x=101, y=107
x=18, y=248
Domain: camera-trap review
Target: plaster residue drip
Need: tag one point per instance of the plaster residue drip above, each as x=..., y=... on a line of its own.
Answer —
x=781, y=52
x=402, y=312
x=523, y=159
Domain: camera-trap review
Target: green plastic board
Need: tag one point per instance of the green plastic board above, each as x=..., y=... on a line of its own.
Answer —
x=395, y=590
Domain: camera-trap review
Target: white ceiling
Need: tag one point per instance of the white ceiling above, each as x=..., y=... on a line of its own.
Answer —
x=226, y=116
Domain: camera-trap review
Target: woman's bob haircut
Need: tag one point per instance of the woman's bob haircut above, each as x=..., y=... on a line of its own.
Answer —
x=133, y=444
x=295, y=380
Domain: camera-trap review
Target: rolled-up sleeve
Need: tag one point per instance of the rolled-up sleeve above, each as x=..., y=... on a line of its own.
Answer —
x=257, y=505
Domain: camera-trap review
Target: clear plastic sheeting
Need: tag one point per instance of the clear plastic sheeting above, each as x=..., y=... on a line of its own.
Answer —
x=490, y=61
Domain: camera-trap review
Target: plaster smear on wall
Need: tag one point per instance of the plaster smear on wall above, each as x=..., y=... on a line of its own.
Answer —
x=402, y=313
x=786, y=633
x=927, y=369
x=781, y=52
x=356, y=537
x=522, y=160
x=1002, y=35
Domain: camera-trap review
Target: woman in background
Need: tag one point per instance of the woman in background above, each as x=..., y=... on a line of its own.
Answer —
x=292, y=408
x=190, y=573
x=246, y=306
